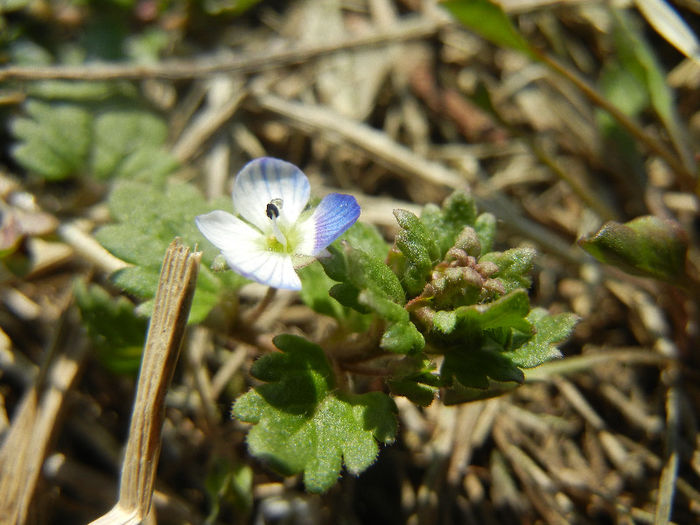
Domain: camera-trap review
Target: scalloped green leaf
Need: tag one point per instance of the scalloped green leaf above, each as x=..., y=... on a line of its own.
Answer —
x=648, y=246
x=59, y=140
x=470, y=322
x=148, y=217
x=302, y=424
x=54, y=139
x=549, y=331
x=120, y=133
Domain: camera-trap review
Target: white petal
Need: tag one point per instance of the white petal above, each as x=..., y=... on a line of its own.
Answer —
x=225, y=231
x=264, y=179
x=243, y=248
x=264, y=266
x=333, y=216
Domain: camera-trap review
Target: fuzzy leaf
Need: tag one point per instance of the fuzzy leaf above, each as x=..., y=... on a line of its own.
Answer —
x=474, y=368
x=315, y=293
x=514, y=267
x=147, y=218
x=368, y=285
x=470, y=322
x=419, y=252
x=120, y=133
x=444, y=224
x=117, y=333
x=542, y=347
x=54, y=139
x=647, y=246
x=302, y=424
x=402, y=338
x=61, y=140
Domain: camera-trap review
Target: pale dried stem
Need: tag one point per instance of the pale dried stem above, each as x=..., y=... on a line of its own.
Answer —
x=28, y=440
x=407, y=29
x=172, y=305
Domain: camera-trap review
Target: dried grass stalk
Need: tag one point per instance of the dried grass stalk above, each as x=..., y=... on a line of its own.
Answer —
x=172, y=306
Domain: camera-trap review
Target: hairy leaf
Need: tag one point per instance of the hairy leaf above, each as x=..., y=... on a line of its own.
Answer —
x=302, y=424
x=542, y=347
x=647, y=246
x=117, y=333
x=54, y=139
x=148, y=217
x=514, y=267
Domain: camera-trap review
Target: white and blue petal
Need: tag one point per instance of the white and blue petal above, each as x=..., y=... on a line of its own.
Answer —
x=333, y=216
x=245, y=250
x=263, y=180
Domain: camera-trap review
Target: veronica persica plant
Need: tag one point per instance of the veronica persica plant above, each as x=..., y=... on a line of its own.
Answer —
x=273, y=232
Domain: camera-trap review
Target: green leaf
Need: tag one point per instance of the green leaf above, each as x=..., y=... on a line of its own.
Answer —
x=474, y=368
x=458, y=393
x=418, y=252
x=362, y=271
x=514, y=266
x=367, y=238
x=636, y=56
x=303, y=424
x=416, y=391
x=469, y=322
x=231, y=483
x=61, y=140
x=647, y=246
x=542, y=347
x=117, y=333
x=315, y=293
x=485, y=226
x=148, y=218
x=54, y=140
x=488, y=20
x=402, y=338
x=120, y=133
x=444, y=224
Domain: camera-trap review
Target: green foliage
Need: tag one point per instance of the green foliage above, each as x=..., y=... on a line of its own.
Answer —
x=488, y=19
x=303, y=424
x=116, y=331
x=548, y=331
x=443, y=292
x=60, y=140
x=55, y=139
x=366, y=284
x=514, y=266
x=230, y=483
x=147, y=218
x=648, y=246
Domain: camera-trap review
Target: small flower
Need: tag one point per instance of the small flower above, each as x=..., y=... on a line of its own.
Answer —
x=275, y=233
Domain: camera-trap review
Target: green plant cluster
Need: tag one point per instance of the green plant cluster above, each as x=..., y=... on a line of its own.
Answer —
x=445, y=312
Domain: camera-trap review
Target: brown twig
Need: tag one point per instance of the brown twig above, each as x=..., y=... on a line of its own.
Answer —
x=408, y=29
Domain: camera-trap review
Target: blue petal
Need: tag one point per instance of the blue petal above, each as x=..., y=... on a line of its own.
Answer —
x=333, y=216
x=264, y=179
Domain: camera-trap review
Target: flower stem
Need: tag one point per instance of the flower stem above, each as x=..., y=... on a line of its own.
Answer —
x=252, y=316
